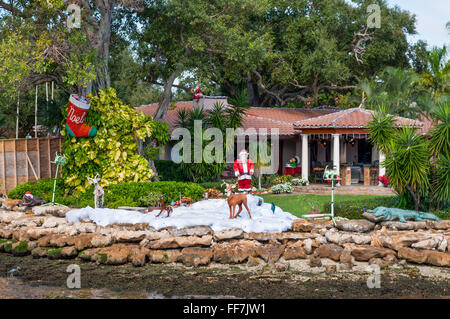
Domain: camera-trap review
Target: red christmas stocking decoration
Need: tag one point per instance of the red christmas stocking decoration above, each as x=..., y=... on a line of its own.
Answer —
x=76, y=113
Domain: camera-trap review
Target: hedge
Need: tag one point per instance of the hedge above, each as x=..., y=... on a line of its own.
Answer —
x=353, y=209
x=169, y=171
x=125, y=194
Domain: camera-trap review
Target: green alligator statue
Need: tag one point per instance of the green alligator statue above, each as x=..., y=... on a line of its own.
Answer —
x=402, y=214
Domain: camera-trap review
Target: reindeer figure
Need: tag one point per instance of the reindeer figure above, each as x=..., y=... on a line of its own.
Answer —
x=168, y=209
x=236, y=199
x=98, y=191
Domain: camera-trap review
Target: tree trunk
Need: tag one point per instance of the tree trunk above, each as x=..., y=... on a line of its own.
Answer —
x=161, y=112
x=415, y=197
x=102, y=44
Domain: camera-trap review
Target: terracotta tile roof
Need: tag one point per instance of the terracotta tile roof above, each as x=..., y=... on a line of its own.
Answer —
x=350, y=118
x=427, y=124
x=257, y=117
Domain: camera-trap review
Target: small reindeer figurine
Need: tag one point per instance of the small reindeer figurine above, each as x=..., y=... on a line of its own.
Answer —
x=168, y=209
x=236, y=199
x=98, y=191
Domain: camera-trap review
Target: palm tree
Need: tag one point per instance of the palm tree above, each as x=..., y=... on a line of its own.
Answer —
x=408, y=164
x=237, y=109
x=438, y=76
x=398, y=90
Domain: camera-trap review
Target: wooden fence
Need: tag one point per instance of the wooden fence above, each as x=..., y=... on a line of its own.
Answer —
x=26, y=159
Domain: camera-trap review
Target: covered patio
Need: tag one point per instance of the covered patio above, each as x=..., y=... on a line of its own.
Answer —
x=340, y=140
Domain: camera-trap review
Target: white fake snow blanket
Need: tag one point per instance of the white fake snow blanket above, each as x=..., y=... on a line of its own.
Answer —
x=213, y=212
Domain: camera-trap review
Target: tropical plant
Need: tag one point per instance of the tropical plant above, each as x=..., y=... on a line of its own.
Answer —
x=437, y=76
x=398, y=90
x=381, y=129
x=113, y=153
x=282, y=188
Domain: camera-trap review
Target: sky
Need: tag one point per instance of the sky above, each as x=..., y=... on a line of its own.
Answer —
x=431, y=17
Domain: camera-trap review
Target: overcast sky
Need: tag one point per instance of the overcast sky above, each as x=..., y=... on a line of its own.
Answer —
x=431, y=17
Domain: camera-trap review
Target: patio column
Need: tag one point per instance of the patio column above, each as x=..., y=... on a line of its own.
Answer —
x=336, y=154
x=381, y=170
x=305, y=169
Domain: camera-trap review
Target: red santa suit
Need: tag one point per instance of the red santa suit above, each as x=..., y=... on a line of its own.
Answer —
x=244, y=171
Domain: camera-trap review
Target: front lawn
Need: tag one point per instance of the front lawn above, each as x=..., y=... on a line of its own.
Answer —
x=299, y=205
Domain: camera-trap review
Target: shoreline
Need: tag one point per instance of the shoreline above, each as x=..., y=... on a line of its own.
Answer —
x=223, y=281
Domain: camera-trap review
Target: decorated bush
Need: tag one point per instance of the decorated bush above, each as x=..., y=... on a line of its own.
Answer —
x=282, y=188
x=113, y=152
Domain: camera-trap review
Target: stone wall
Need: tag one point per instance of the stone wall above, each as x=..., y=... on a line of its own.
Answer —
x=45, y=233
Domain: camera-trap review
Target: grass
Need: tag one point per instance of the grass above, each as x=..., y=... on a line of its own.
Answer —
x=299, y=205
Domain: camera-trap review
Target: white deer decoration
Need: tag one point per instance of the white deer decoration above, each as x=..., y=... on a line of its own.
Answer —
x=98, y=191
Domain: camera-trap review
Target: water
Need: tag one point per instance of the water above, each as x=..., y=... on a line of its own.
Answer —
x=14, y=288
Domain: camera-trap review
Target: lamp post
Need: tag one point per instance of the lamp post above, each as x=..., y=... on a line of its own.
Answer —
x=59, y=161
x=331, y=175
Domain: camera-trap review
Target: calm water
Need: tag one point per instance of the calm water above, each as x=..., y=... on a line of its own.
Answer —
x=14, y=288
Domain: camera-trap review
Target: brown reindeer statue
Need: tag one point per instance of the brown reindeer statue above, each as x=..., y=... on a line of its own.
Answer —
x=168, y=209
x=236, y=199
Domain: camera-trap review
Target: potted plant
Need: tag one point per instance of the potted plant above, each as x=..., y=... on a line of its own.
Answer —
x=385, y=180
x=152, y=200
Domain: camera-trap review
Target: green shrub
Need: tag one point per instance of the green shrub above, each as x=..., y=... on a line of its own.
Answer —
x=283, y=179
x=353, y=209
x=124, y=194
x=217, y=185
x=169, y=171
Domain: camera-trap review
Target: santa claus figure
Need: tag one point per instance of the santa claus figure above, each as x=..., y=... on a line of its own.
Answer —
x=243, y=169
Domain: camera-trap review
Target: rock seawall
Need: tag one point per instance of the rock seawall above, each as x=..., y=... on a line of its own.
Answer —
x=46, y=234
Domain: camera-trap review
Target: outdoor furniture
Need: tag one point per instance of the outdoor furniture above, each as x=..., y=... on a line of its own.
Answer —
x=293, y=171
x=356, y=172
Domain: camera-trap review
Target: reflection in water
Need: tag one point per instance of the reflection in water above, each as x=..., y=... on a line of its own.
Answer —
x=14, y=288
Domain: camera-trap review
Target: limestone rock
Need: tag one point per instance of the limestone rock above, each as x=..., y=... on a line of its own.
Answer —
x=192, y=231
x=330, y=269
x=438, y=259
x=429, y=244
x=371, y=217
x=338, y=237
x=229, y=233
x=61, y=240
x=307, y=245
x=101, y=241
x=9, y=204
x=294, y=251
x=281, y=266
x=410, y=225
x=83, y=241
x=438, y=224
x=365, y=253
x=355, y=225
x=314, y=261
x=127, y=236
x=417, y=256
x=346, y=259
x=182, y=241
x=195, y=256
x=270, y=252
x=236, y=251
x=192, y=241
x=39, y=252
x=52, y=222
x=165, y=256
x=138, y=260
x=69, y=252
x=278, y=236
x=86, y=227
x=330, y=251
x=58, y=211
